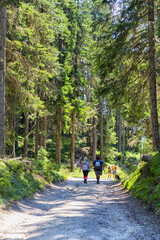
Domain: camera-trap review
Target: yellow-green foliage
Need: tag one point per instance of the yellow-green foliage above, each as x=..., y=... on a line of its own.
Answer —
x=145, y=183
x=129, y=183
x=17, y=180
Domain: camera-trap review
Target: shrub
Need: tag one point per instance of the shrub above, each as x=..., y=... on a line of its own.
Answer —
x=17, y=180
x=145, y=183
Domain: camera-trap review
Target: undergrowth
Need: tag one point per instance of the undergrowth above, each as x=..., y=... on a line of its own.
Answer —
x=145, y=183
x=18, y=180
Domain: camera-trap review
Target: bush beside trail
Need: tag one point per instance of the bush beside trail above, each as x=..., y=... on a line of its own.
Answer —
x=145, y=183
x=18, y=180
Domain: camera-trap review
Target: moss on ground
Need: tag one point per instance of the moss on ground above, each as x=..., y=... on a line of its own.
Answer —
x=18, y=180
x=145, y=183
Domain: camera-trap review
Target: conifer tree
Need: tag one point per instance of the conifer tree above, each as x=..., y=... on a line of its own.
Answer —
x=125, y=55
x=2, y=77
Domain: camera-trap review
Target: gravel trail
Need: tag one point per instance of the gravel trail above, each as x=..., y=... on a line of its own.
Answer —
x=73, y=211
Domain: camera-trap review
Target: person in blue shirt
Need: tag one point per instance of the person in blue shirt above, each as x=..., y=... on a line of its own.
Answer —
x=98, y=166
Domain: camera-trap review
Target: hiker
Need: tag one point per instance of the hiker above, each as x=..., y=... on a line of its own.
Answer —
x=85, y=168
x=109, y=172
x=98, y=165
x=114, y=171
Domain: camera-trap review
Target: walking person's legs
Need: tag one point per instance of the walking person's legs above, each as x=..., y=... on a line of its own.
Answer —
x=98, y=177
x=85, y=176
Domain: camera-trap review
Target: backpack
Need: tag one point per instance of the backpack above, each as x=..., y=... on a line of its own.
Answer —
x=85, y=167
x=97, y=166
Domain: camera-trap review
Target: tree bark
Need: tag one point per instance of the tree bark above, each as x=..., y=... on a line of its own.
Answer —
x=2, y=79
x=73, y=140
x=40, y=131
x=152, y=77
x=89, y=133
x=26, y=135
x=12, y=124
x=119, y=132
x=36, y=136
x=44, y=139
x=123, y=151
x=94, y=139
x=14, y=135
x=58, y=136
x=101, y=129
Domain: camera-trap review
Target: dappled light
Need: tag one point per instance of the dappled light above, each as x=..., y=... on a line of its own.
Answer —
x=72, y=209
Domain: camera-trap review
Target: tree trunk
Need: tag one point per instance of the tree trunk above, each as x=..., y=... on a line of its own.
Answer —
x=11, y=122
x=2, y=79
x=101, y=129
x=58, y=136
x=94, y=139
x=152, y=77
x=123, y=138
x=40, y=132
x=73, y=139
x=14, y=134
x=26, y=135
x=89, y=138
x=89, y=133
x=119, y=132
x=44, y=132
x=36, y=136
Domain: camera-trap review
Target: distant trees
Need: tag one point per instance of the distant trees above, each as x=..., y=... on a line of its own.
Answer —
x=2, y=77
x=77, y=72
x=126, y=61
x=47, y=53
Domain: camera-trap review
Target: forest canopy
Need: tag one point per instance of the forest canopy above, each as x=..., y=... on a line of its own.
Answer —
x=79, y=77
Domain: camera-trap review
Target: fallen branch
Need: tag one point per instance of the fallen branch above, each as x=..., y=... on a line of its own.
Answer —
x=79, y=160
x=19, y=158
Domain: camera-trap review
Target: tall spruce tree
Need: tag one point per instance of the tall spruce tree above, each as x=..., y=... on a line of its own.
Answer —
x=126, y=54
x=2, y=76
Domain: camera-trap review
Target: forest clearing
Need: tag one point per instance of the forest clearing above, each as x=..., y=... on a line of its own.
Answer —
x=73, y=211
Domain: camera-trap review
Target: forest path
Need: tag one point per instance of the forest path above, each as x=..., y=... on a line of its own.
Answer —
x=73, y=210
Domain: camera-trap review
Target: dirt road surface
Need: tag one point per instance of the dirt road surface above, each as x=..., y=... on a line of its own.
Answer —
x=73, y=211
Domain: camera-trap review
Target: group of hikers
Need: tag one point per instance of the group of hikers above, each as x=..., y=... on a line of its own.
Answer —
x=98, y=167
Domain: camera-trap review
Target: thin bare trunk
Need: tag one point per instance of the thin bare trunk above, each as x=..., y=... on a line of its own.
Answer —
x=58, y=136
x=152, y=77
x=94, y=139
x=12, y=124
x=89, y=139
x=2, y=79
x=119, y=131
x=14, y=134
x=89, y=133
x=123, y=137
x=40, y=132
x=44, y=132
x=36, y=136
x=101, y=129
x=26, y=135
x=73, y=140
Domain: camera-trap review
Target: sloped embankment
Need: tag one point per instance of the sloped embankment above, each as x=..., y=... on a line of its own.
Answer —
x=145, y=183
x=18, y=180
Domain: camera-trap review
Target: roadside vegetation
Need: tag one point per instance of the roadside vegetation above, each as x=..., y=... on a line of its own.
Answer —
x=19, y=179
x=22, y=178
x=145, y=183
